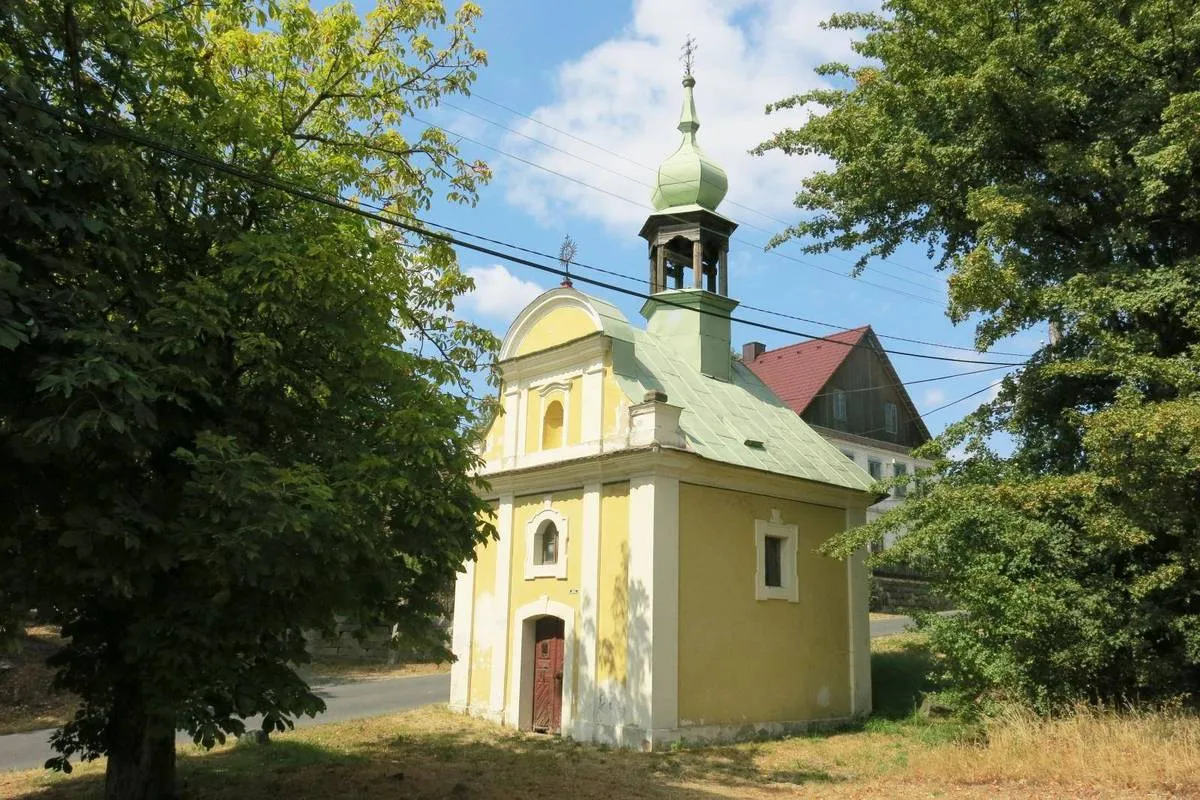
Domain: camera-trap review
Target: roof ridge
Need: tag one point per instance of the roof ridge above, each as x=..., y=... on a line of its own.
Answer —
x=816, y=340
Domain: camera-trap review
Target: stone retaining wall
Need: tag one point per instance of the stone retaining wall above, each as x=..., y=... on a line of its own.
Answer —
x=897, y=595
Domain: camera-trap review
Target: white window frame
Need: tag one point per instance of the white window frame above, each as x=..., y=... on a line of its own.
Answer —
x=891, y=418
x=558, y=569
x=899, y=491
x=790, y=590
x=872, y=460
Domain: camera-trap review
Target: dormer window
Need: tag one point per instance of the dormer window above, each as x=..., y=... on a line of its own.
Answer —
x=552, y=425
x=546, y=545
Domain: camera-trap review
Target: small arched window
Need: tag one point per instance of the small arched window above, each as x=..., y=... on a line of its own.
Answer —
x=546, y=539
x=552, y=426
x=546, y=544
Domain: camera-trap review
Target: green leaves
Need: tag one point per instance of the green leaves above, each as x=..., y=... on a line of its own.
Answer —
x=227, y=415
x=1046, y=152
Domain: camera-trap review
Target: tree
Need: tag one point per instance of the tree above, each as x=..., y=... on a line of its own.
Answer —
x=225, y=412
x=1045, y=151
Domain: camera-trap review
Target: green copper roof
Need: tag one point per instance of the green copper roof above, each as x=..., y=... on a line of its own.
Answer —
x=719, y=417
x=688, y=176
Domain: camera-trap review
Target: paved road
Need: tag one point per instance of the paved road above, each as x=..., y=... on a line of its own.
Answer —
x=886, y=627
x=343, y=701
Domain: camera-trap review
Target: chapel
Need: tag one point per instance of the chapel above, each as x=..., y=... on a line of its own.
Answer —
x=656, y=577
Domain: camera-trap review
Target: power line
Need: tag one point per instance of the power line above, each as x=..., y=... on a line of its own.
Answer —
x=636, y=163
x=740, y=241
x=337, y=202
x=961, y=399
x=745, y=306
x=909, y=383
x=639, y=182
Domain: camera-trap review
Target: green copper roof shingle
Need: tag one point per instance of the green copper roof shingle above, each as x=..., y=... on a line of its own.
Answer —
x=718, y=417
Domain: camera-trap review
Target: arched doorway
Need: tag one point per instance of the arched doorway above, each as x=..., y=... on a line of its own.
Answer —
x=551, y=622
x=549, y=651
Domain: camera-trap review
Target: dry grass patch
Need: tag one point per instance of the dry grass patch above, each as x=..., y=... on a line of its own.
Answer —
x=27, y=701
x=1154, y=752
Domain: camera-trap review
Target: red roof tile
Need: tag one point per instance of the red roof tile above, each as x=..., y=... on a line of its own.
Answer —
x=797, y=372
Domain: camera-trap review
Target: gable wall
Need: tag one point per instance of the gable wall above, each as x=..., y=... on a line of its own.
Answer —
x=863, y=370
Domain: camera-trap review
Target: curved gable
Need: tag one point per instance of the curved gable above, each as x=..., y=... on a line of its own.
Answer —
x=557, y=316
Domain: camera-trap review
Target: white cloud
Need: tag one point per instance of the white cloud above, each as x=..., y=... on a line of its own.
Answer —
x=498, y=294
x=625, y=96
x=934, y=397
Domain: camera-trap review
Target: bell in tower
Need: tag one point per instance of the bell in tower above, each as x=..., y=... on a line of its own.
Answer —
x=689, y=240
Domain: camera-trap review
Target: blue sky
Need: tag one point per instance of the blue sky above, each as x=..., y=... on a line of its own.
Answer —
x=607, y=74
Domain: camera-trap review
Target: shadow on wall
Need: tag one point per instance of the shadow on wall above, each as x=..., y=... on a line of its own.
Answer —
x=617, y=701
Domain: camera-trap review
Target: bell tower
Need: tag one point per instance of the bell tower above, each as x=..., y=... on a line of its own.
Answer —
x=688, y=239
x=689, y=307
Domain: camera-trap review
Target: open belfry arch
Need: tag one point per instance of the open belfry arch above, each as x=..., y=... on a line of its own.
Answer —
x=659, y=510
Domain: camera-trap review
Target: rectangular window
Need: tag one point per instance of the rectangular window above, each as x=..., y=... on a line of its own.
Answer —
x=839, y=405
x=889, y=417
x=900, y=470
x=875, y=467
x=773, y=561
x=775, y=545
x=848, y=454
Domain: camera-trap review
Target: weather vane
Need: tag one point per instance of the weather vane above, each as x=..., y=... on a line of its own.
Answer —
x=566, y=254
x=689, y=54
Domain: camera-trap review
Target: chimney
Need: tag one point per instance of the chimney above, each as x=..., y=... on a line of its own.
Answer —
x=752, y=350
x=694, y=324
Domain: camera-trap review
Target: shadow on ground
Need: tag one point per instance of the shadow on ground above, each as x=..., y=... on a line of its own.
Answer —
x=430, y=754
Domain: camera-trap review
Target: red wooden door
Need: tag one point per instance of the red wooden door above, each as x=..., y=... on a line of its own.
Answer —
x=547, y=674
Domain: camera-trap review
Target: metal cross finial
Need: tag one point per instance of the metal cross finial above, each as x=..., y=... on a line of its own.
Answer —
x=689, y=54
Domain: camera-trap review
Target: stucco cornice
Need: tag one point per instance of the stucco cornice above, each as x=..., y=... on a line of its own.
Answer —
x=687, y=467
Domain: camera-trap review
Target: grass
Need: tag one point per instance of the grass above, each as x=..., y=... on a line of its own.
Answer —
x=430, y=753
x=27, y=700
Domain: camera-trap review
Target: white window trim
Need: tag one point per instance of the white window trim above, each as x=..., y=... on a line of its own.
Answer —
x=790, y=591
x=558, y=569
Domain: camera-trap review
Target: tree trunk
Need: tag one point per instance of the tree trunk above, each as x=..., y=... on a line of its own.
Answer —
x=141, y=754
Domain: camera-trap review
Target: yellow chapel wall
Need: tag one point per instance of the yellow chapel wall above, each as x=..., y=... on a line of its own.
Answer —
x=748, y=660
x=611, y=422
x=560, y=325
x=612, y=589
x=493, y=442
x=570, y=505
x=484, y=597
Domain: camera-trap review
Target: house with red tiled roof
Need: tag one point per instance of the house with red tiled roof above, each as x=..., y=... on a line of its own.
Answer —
x=846, y=389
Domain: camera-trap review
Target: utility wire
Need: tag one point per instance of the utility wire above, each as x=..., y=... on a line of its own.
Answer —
x=337, y=202
x=636, y=163
x=909, y=383
x=642, y=183
x=744, y=306
x=961, y=399
x=624, y=199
